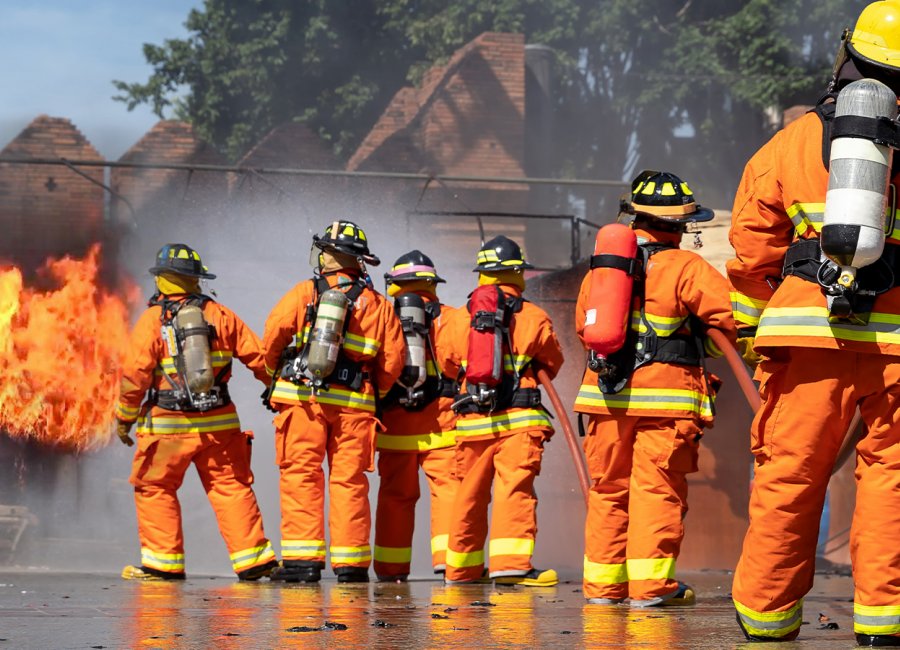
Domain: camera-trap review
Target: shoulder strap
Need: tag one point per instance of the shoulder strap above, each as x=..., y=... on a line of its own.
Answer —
x=824, y=110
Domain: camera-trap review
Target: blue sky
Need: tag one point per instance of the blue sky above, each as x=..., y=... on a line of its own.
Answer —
x=60, y=57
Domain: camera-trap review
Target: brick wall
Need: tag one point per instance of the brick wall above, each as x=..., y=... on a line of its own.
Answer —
x=48, y=210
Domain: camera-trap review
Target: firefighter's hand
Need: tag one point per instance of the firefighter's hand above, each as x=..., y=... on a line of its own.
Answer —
x=267, y=402
x=750, y=356
x=122, y=429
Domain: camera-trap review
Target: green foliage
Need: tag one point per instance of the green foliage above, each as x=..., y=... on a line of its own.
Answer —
x=634, y=78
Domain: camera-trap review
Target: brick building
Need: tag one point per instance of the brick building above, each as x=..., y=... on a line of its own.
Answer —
x=47, y=209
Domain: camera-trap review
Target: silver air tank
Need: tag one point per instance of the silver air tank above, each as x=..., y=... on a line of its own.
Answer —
x=194, y=330
x=328, y=334
x=858, y=181
x=411, y=310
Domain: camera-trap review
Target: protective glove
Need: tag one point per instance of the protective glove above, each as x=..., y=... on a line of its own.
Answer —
x=746, y=339
x=122, y=429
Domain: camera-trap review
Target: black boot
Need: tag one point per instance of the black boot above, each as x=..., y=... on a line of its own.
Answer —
x=298, y=571
x=255, y=573
x=877, y=640
x=352, y=574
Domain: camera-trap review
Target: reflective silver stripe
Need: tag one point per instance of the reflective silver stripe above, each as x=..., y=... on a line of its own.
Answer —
x=876, y=621
x=771, y=625
x=361, y=555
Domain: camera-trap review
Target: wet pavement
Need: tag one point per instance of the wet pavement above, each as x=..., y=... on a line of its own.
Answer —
x=53, y=610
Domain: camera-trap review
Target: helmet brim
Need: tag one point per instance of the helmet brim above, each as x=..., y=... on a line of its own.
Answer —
x=699, y=215
x=159, y=270
x=368, y=258
x=500, y=267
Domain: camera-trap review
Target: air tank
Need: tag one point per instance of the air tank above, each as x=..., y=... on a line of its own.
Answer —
x=411, y=310
x=328, y=333
x=607, y=316
x=194, y=333
x=853, y=230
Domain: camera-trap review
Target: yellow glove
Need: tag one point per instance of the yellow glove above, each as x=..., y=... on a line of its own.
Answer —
x=750, y=356
x=122, y=429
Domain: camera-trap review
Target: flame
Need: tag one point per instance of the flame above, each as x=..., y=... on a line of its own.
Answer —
x=60, y=353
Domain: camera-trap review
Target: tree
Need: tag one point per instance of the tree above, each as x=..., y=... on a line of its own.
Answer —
x=689, y=84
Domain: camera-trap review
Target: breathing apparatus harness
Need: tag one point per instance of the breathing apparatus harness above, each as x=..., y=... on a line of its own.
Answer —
x=505, y=393
x=804, y=257
x=643, y=348
x=434, y=386
x=180, y=397
x=294, y=360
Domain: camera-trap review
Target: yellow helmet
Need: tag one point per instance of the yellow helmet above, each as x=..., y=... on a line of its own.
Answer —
x=876, y=37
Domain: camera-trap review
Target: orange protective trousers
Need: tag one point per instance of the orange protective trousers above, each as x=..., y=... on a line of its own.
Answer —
x=396, y=514
x=637, y=503
x=223, y=463
x=511, y=463
x=808, y=399
x=305, y=436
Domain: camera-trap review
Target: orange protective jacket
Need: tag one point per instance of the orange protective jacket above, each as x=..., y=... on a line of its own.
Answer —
x=678, y=283
x=148, y=363
x=534, y=343
x=780, y=199
x=373, y=338
x=433, y=426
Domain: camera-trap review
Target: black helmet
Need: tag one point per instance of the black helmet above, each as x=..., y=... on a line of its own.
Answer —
x=501, y=254
x=663, y=196
x=347, y=238
x=414, y=265
x=180, y=259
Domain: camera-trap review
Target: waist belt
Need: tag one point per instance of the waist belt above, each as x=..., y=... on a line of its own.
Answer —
x=178, y=401
x=521, y=398
x=677, y=348
x=432, y=389
x=346, y=372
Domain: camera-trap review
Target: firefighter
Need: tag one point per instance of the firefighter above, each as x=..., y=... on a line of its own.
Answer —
x=501, y=430
x=419, y=424
x=180, y=358
x=827, y=347
x=649, y=402
x=335, y=348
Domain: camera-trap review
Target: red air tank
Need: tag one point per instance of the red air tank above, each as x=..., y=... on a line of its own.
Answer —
x=609, y=298
x=484, y=362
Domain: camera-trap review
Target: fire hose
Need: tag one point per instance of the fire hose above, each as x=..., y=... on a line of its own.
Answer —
x=584, y=477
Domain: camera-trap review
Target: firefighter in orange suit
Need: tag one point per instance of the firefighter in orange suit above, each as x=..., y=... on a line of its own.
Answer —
x=827, y=348
x=419, y=426
x=180, y=358
x=335, y=347
x=499, y=443
x=647, y=414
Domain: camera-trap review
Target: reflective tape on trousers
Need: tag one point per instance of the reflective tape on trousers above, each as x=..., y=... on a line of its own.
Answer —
x=770, y=624
x=605, y=574
x=869, y=619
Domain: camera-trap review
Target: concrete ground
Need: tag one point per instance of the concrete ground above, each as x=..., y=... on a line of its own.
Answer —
x=58, y=610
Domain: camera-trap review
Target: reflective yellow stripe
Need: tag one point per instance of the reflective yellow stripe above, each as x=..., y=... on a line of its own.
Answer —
x=511, y=546
x=350, y=553
x=605, y=574
x=252, y=557
x=361, y=344
x=812, y=215
x=647, y=399
x=439, y=543
x=396, y=555
x=503, y=422
x=662, y=325
x=875, y=619
x=463, y=560
x=657, y=568
x=188, y=423
x=770, y=624
x=747, y=310
x=420, y=442
x=127, y=413
x=219, y=358
x=173, y=562
x=813, y=322
x=712, y=350
x=303, y=548
x=336, y=396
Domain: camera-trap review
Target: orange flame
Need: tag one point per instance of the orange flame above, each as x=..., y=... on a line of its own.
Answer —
x=60, y=354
